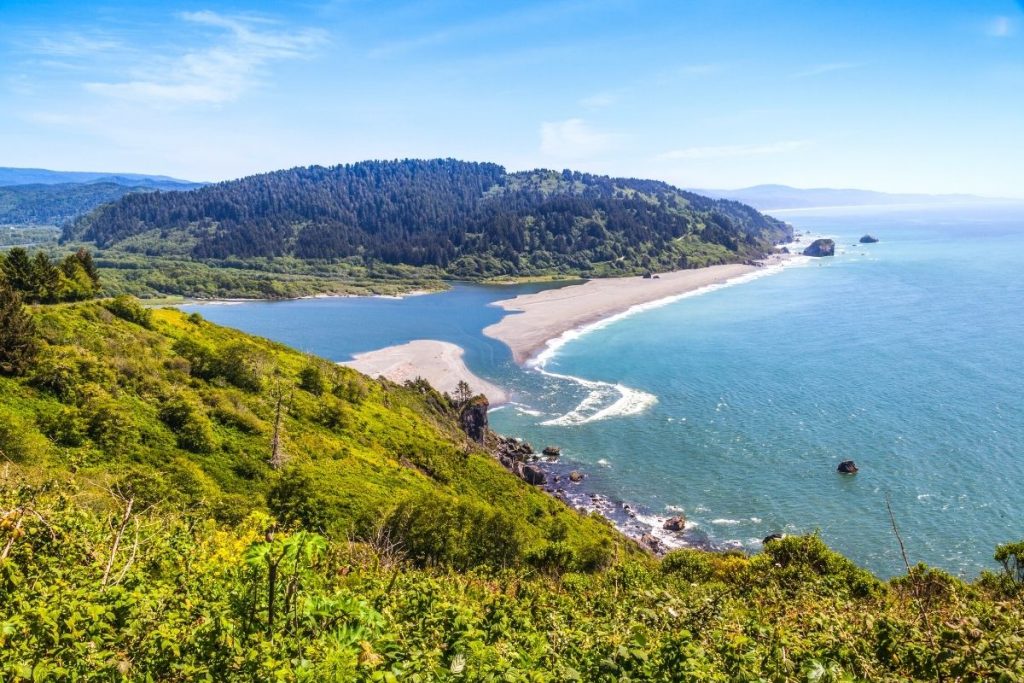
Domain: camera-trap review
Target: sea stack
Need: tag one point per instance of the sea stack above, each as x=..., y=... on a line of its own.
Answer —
x=821, y=247
x=868, y=239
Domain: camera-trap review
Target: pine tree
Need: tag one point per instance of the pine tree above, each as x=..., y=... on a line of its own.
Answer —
x=18, y=344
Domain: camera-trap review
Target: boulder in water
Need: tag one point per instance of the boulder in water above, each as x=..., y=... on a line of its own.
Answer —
x=770, y=538
x=575, y=476
x=677, y=523
x=868, y=239
x=847, y=467
x=821, y=247
x=552, y=451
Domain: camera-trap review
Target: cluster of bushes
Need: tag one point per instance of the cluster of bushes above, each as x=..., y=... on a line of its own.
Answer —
x=124, y=590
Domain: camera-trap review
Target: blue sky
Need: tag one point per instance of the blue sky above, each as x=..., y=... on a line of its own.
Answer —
x=894, y=96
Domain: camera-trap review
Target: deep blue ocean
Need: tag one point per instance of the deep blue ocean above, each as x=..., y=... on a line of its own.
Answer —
x=735, y=406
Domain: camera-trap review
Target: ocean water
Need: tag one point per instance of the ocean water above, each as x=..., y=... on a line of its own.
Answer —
x=735, y=406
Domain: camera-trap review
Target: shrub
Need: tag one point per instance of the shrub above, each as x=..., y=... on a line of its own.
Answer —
x=454, y=532
x=65, y=427
x=293, y=500
x=111, y=427
x=191, y=428
x=1011, y=556
x=243, y=367
x=128, y=308
x=312, y=380
x=18, y=440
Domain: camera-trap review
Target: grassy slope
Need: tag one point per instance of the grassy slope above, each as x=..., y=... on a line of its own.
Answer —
x=386, y=442
x=185, y=595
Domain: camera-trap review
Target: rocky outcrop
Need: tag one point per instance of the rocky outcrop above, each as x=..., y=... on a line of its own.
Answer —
x=821, y=247
x=575, y=476
x=552, y=451
x=650, y=542
x=868, y=239
x=770, y=538
x=847, y=467
x=473, y=418
x=534, y=475
x=677, y=523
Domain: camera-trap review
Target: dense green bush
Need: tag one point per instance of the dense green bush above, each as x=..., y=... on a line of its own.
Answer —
x=128, y=308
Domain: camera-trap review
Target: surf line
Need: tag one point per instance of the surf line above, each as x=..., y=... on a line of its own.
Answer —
x=630, y=401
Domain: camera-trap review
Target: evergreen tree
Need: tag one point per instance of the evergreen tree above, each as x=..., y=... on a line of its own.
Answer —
x=17, y=268
x=18, y=344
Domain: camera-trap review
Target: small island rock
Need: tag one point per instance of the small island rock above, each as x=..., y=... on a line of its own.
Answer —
x=821, y=247
x=575, y=476
x=868, y=239
x=847, y=467
x=552, y=451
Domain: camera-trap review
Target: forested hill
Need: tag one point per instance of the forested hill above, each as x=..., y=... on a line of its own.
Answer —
x=467, y=219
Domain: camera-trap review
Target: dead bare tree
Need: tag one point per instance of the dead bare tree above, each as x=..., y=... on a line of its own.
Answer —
x=277, y=454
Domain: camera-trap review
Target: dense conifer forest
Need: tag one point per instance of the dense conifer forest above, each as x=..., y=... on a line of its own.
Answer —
x=467, y=220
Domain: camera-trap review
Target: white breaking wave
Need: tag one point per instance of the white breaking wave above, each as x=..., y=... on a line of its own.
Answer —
x=595, y=406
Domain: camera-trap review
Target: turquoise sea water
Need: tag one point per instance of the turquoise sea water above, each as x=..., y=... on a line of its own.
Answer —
x=735, y=406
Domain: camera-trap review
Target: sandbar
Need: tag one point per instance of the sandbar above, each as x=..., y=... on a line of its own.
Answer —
x=438, y=362
x=535, y=319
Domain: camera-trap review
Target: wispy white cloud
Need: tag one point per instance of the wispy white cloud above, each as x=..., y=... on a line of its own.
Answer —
x=75, y=45
x=819, y=69
x=733, y=151
x=217, y=73
x=599, y=100
x=1001, y=27
x=574, y=139
x=512, y=20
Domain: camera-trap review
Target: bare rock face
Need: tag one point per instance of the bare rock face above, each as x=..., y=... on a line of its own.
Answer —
x=473, y=418
x=821, y=247
x=847, y=467
x=677, y=523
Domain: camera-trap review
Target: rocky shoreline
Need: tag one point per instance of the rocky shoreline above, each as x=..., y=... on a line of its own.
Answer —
x=566, y=481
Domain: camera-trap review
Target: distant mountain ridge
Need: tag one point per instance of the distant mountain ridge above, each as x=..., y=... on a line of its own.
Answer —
x=767, y=197
x=469, y=220
x=40, y=176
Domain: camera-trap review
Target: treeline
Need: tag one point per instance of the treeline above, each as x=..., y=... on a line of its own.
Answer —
x=56, y=204
x=468, y=219
x=41, y=280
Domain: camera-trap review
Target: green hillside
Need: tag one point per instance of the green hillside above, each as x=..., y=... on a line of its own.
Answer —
x=437, y=219
x=150, y=529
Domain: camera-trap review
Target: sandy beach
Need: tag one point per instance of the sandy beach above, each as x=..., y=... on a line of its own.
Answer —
x=537, y=318
x=438, y=362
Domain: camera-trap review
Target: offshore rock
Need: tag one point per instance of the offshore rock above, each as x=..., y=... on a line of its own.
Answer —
x=473, y=418
x=868, y=239
x=575, y=476
x=771, y=538
x=821, y=247
x=677, y=523
x=847, y=467
x=552, y=451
